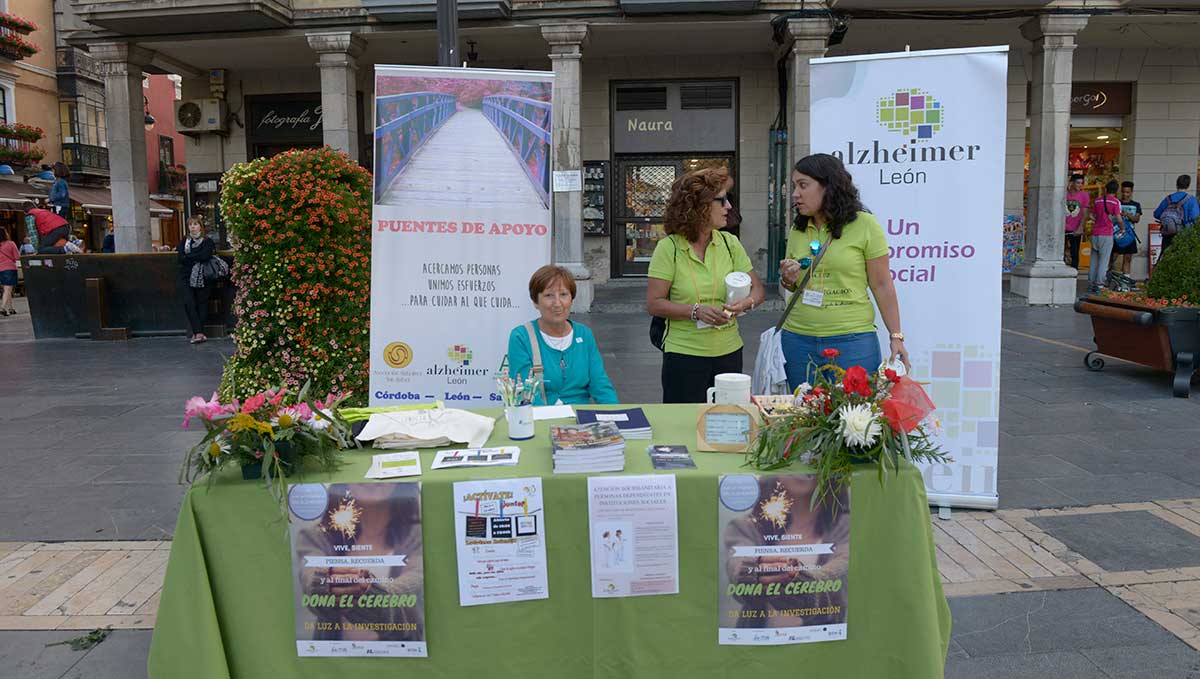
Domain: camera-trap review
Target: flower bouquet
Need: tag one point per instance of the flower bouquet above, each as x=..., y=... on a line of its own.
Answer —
x=270, y=435
x=849, y=417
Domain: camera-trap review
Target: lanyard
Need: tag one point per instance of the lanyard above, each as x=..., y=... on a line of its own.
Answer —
x=692, y=271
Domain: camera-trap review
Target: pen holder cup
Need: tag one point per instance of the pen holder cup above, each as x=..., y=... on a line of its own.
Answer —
x=520, y=422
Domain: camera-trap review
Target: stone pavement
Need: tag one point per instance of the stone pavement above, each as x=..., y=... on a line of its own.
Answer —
x=1091, y=568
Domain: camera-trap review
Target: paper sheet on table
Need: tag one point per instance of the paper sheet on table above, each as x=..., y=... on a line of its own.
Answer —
x=395, y=465
x=427, y=428
x=552, y=412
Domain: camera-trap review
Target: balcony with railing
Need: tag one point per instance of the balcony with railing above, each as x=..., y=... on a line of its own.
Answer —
x=13, y=44
x=18, y=144
x=152, y=17
x=86, y=159
x=172, y=180
x=400, y=11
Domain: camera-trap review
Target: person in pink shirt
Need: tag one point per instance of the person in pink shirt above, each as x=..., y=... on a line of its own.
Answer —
x=1104, y=212
x=8, y=272
x=1078, y=202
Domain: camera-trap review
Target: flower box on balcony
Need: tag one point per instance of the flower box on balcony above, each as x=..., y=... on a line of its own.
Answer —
x=15, y=47
x=21, y=131
x=16, y=23
x=21, y=156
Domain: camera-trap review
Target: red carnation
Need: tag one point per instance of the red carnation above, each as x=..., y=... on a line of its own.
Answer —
x=891, y=376
x=856, y=381
x=830, y=353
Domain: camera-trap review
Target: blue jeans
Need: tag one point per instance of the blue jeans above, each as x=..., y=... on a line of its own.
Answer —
x=803, y=353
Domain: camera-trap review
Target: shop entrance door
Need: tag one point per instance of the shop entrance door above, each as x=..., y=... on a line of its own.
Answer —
x=643, y=187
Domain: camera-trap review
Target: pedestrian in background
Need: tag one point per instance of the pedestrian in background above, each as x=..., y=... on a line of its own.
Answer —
x=1106, y=213
x=1078, y=202
x=60, y=192
x=687, y=287
x=733, y=220
x=194, y=251
x=1177, y=211
x=52, y=230
x=8, y=273
x=110, y=241
x=1131, y=216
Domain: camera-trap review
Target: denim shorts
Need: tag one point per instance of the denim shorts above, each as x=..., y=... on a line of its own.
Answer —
x=803, y=353
x=8, y=277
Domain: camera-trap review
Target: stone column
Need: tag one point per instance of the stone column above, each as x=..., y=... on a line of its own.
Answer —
x=809, y=37
x=337, y=55
x=566, y=53
x=1044, y=278
x=124, y=109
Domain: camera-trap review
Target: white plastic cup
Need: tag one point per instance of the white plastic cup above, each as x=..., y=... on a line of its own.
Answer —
x=520, y=422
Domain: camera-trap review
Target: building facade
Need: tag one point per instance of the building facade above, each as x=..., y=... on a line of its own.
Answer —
x=648, y=89
x=29, y=130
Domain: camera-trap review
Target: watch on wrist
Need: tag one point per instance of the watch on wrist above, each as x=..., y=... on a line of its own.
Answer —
x=897, y=336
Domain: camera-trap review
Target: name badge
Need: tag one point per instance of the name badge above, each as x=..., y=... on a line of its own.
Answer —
x=813, y=298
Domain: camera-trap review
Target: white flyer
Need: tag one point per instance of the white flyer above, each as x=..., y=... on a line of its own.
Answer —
x=634, y=528
x=500, y=529
x=476, y=457
x=395, y=465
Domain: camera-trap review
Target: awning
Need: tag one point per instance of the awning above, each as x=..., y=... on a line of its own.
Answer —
x=14, y=193
x=90, y=198
x=95, y=199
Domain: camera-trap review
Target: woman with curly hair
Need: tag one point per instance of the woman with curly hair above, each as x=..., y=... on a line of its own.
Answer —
x=848, y=253
x=687, y=287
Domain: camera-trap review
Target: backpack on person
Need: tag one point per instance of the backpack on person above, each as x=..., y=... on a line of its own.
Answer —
x=1173, y=217
x=1123, y=233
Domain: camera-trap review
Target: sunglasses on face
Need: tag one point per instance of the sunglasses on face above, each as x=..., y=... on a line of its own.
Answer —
x=722, y=200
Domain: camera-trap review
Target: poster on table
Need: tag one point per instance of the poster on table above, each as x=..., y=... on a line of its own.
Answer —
x=461, y=220
x=357, y=569
x=634, y=533
x=783, y=566
x=923, y=134
x=500, y=535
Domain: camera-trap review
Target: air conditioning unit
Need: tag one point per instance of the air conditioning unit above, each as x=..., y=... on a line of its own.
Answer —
x=199, y=116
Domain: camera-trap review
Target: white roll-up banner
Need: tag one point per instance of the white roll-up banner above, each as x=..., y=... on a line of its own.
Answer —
x=923, y=134
x=461, y=220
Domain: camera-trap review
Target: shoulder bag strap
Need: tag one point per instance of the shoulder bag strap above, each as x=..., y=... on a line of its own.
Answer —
x=535, y=348
x=799, y=292
x=727, y=248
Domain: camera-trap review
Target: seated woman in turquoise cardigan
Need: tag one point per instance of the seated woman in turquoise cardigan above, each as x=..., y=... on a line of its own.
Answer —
x=572, y=369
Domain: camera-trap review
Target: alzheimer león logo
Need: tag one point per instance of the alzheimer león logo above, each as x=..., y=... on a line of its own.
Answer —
x=913, y=113
x=460, y=354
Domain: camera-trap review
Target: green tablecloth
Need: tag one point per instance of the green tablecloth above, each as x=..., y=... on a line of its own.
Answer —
x=226, y=607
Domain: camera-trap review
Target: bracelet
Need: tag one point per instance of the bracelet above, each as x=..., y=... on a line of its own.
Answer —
x=695, y=308
x=898, y=336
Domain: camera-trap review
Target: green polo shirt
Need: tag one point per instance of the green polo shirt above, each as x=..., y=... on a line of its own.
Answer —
x=695, y=281
x=841, y=275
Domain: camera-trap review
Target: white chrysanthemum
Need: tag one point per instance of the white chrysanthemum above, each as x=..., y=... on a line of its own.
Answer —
x=318, y=422
x=859, y=425
x=803, y=389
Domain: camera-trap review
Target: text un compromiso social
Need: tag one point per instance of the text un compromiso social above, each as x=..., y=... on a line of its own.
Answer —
x=464, y=228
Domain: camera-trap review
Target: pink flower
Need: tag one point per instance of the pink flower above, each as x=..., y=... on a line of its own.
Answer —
x=254, y=403
x=196, y=406
x=258, y=454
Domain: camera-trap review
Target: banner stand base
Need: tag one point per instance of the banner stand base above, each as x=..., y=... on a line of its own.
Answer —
x=944, y=501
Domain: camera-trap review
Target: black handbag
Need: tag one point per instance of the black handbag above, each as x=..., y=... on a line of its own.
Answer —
x=215, y=269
